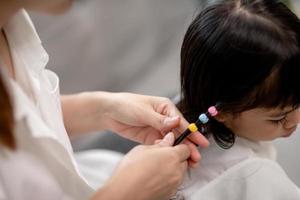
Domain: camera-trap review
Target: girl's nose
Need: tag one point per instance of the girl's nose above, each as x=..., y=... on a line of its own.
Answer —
x=293, y=118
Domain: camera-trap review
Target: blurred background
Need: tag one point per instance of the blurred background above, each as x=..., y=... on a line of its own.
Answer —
x=129, y=46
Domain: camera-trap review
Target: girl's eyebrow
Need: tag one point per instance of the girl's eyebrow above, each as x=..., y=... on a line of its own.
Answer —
x=281, y=113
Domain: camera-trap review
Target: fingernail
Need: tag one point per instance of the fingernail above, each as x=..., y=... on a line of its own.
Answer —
x=170, y=119
x=169, y=137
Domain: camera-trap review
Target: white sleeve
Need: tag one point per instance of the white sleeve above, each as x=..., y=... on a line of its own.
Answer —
x=255, y=179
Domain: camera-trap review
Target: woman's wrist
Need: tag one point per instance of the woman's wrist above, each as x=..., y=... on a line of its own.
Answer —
x=113, y=191
x=85, y=112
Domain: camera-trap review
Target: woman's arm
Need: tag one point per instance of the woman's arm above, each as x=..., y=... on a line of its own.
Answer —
x=139, y=118
x=84, y=112
x=132, y=116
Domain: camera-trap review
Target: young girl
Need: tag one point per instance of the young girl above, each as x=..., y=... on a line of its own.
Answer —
x=244, y=56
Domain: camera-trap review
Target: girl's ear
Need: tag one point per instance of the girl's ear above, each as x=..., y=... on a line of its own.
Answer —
x=222, y=117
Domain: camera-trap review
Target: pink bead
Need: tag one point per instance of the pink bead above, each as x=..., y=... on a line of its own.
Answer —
x=213, y=111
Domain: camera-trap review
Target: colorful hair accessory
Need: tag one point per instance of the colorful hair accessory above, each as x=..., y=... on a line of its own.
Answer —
x=203, y=118
x=193, y=128
x=213, y=111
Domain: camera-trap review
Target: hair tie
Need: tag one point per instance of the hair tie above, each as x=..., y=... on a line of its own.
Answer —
x=202, y=120
x=213, y=111
x=193, y=127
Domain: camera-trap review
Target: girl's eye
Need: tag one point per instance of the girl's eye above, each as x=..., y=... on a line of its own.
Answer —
x=279, y=121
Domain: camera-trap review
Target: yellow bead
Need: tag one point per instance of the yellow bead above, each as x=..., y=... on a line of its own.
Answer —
x=193, y=128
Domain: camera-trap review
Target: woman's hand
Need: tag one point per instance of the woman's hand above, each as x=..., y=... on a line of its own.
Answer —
x=148, y=172
x=144, y=119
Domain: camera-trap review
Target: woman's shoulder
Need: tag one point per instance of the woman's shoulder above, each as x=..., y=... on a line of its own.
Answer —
x=255, y=178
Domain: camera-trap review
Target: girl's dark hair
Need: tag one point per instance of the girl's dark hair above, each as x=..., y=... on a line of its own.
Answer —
x=244, y=54
x=6, y=118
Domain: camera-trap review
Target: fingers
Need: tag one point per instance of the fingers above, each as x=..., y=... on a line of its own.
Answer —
x=199, y=139
x=162, y=123
x=184, y=166
x=168, y=140
x=195, y=154
x=193, y=164
x=170, y=119
x=169, y=123
x=196, y=137
x=183, y=152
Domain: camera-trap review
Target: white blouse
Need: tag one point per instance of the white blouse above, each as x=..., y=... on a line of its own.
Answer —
x=247, y=171
x=43, y=166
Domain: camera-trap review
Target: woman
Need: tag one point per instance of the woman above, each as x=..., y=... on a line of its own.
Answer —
x=36, y=159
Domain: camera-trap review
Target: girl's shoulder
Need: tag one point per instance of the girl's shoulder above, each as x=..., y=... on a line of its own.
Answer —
x=255, y=178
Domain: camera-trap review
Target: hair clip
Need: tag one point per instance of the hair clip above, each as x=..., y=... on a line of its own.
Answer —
x=213, y=111
x=193, y=127
x=202, y=120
